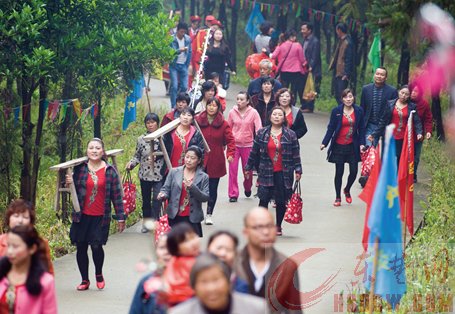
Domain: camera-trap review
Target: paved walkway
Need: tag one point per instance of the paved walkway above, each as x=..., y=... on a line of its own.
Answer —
x=335, y=231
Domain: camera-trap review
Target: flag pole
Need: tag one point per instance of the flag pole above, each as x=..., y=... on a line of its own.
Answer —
x=405, y=212
x=373, y=276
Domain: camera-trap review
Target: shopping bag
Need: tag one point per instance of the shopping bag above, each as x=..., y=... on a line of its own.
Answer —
x=129, y=193
x=294, y=207
x=368, y=158
x=162, y=225
x=309, y=93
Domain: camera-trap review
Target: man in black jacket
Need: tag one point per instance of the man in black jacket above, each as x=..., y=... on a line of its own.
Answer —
x=374, y=101
x=342, y=62
x=312, y=51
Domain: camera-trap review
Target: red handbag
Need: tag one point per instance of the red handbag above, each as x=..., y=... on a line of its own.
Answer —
x=129, y=193
x=368, y=159
x=161, y=225
x=294, y=207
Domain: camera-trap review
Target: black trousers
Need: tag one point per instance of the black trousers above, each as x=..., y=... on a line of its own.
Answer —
x=151, y=207
x=296, y=82
x=278, y=192
x=213, y=193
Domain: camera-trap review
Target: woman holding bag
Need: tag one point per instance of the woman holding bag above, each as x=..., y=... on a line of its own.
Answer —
x=276, y=158
x=186, y=188
x=291, y=64
x=151, y=178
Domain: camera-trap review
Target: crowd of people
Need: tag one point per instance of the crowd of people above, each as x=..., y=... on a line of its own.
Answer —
x=262, y=130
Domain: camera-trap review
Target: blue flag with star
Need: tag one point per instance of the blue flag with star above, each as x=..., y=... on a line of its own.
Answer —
x=385, y=225
x=131, y=102
x=255, y=20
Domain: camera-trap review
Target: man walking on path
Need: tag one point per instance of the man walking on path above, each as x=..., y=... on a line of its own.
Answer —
x=255, y=86
x=259, y=260
x=178, y=69
x=312, y=52
x=342, y=62
x=374, y=99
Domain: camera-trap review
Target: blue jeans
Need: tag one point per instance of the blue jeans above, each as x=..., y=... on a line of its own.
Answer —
x=371, y=127
x=179, y=80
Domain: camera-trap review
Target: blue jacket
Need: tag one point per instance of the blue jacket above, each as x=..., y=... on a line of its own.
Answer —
x=255, y=86
x=366, y=100
x=144, y=303
x=175, y=46
x=334, y=127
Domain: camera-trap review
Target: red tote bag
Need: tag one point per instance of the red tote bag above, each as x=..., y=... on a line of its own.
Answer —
x=129, y=193
x=294, y=207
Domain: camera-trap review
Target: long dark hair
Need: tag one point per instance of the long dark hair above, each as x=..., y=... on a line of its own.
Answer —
x=30, y=236
x=224, y=47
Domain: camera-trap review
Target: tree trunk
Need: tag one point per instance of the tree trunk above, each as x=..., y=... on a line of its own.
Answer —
x=328, y=42
x=182, y=7
x=38, y=136
x=62, y=141
x=7, y=156
x=437, y=116
x=364, y=57
x=233, y=40
x=403, y=67
x=356, y=59
x=27, y=88
x=97, y=120
x=193, y=7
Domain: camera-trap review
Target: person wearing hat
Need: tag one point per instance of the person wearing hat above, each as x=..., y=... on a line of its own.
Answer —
x=198, y=44
x=195, y=25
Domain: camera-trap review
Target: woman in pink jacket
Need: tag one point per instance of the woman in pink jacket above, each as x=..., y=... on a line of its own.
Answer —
x=291, y=64
x=25, y=287
x=244, y=122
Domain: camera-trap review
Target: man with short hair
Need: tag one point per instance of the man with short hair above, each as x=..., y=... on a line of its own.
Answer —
x=312, y=52
x=259, y=261
x=265, y=68
x=374, y=99
x=182, y=101
x=342, y=62
x=178, y=69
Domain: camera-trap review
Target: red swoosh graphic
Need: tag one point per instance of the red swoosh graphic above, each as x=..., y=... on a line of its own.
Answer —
x=281, y=290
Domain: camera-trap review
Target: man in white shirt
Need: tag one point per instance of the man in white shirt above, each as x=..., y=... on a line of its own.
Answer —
x=178, y=69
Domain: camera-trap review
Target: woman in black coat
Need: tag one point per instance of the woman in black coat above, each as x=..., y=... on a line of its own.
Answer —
x=346, y=134
x=294, y=116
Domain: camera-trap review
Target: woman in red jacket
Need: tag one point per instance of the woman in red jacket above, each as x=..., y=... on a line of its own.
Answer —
x=218, y=134
x=426, y=118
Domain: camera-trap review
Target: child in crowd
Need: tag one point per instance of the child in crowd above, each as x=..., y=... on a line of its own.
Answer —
x=244, y=122
x=183, y=244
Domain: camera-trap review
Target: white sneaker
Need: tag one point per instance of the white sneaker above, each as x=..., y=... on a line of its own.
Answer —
x=208, y=220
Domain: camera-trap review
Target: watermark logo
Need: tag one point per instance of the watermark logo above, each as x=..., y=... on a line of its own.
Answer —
x=281, y=292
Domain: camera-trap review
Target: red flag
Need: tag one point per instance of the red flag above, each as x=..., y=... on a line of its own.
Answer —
x=368, y=192
x=406, y=177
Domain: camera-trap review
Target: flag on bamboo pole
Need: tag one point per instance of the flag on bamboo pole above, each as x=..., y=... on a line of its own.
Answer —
x=131, y=102
x=374, y=56
x=368, y=193
x=385, y=226
x=406, y=177
x=255, y=20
